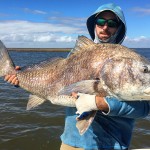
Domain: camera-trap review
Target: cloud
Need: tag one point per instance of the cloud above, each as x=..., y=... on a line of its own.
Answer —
x=142, y=11
x=57, y=31
x=18, y=33
x=68, y=20
x=34, y=27
x=138, y=42
x=34, y=11
x=32, y=34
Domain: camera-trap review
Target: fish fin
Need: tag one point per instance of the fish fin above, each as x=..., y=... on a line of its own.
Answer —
x=83, y=125
x=91, y=87
x=81, y=43
x=6, y=64
x=34, y=101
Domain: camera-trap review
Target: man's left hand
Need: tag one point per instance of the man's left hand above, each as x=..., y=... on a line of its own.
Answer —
x=85, y=103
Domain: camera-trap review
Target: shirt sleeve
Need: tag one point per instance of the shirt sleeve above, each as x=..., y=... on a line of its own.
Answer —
x=128, y=109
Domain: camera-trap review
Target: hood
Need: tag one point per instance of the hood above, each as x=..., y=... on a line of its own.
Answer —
x=116, y=10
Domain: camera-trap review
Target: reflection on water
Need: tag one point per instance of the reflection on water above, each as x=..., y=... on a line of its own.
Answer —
x=36, y=129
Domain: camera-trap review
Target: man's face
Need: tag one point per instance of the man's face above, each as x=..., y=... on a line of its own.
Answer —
x=104, y=32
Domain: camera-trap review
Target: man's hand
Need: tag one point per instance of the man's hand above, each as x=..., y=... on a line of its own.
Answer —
x=12, y=79
x=84, y=104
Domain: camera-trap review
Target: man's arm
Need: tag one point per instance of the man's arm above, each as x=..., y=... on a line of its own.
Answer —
x=128, y=109
x=111, y=106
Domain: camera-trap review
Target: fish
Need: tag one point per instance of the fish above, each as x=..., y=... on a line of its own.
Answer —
x=101, y=69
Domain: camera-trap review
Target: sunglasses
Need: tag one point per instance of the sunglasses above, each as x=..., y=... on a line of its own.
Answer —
x=111, y=23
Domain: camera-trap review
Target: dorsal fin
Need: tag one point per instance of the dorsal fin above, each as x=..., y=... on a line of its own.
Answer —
x=82, y=43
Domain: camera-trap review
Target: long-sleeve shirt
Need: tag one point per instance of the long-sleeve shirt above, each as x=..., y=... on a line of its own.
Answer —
x=108, y=131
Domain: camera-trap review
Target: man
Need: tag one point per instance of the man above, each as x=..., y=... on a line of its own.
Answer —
x=114, y=122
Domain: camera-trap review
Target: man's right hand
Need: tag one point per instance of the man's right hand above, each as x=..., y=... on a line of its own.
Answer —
x=12, y=79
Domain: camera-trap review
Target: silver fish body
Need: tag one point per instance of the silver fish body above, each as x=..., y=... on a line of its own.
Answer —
x=100, y=69
x=117, y=70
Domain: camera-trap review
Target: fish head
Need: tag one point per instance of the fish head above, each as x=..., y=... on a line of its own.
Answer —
x=127, y=78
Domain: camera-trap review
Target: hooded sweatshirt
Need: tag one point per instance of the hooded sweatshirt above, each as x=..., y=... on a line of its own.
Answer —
x=114, y=129
x=117, y=11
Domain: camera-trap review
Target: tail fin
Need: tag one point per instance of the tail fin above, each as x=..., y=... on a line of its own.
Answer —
x=6, y=65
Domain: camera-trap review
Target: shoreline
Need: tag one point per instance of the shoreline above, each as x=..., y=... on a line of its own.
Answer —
x=40, y=49
x=49, y=49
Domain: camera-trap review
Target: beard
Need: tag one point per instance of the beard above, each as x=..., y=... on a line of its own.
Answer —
x=106, y=33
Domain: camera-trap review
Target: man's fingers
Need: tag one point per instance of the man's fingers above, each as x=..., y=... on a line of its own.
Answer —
x=7, y=77
x=11, y=79
x=77, y=113
x=74, y=94
x=17, y=68
x=15, y=81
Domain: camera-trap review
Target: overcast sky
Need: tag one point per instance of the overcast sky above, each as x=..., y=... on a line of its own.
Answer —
x=57, y=23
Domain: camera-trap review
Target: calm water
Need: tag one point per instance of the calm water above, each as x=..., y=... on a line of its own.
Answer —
x=40, y=129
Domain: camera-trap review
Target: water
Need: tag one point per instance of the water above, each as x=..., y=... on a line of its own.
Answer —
x=40, y=129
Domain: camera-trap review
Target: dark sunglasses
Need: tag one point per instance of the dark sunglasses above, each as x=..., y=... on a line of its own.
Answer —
x=111, y=23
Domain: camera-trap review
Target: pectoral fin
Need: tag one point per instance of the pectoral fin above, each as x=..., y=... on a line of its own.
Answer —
x=34, y=101
x=84, y=86
x=83, y=125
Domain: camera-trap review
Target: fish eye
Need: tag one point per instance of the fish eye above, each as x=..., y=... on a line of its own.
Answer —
x=145, y=69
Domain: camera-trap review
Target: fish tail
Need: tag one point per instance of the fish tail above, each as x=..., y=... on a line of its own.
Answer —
x=6, y=64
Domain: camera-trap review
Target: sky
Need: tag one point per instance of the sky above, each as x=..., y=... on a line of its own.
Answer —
x=58, y=23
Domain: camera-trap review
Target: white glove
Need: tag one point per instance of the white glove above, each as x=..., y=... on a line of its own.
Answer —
x=85, y=103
